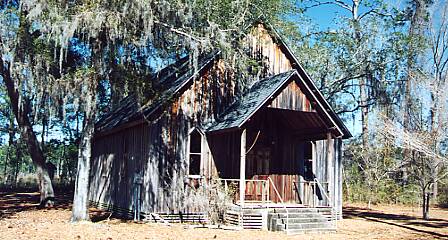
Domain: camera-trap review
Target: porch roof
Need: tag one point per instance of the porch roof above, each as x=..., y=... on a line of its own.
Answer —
x=306, y=125
x=314, y=124
x=251, y=102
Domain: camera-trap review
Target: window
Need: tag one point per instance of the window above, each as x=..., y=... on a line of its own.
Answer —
x=195, y=153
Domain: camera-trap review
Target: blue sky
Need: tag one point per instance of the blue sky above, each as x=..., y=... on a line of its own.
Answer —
x=324, y=16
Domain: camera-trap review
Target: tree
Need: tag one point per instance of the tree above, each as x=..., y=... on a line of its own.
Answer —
x=157, y=29
x=423, y=157
x=418, y=14
x=438, y=123
x=360, y=55
x=20, y=107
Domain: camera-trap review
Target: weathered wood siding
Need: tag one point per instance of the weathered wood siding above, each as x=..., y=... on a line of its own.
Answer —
x=158, y=147
x=328, y=170
x=292, y=98
x=263, y=47
x=209, y=96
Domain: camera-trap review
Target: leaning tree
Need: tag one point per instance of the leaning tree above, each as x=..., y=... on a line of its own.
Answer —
x=16, y=58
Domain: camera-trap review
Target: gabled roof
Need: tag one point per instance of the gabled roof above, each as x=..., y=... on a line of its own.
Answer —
x=307, y=79
x=261, y=94
x=253, y=99
x=168, y=82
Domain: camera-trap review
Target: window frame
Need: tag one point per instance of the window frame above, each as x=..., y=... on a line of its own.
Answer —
x=200, y=154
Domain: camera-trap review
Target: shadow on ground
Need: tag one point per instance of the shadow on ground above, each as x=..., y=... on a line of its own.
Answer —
x=12, y=202
x=399, y=220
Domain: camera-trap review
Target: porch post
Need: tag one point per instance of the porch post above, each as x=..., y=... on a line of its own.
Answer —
x=330, y=170
x=243, y=167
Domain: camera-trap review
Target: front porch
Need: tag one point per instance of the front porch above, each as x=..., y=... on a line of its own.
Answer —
x=286, y=217
x=262, y=192
x=264, y=208
x=279, y=156
x=280, y=170
x=277, y=149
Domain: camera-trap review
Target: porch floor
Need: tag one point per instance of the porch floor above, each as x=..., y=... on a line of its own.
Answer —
x=261, y=205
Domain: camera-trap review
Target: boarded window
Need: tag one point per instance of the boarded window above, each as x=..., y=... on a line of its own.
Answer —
x=195, y=153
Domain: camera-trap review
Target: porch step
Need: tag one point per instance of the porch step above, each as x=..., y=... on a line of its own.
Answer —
x=302, y=220
x=313, y=230
x=323, y=210
x=299, y=220
x=310, y=226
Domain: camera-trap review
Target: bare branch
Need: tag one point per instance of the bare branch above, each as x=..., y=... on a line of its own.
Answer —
x=335, y=2
x=181, y=32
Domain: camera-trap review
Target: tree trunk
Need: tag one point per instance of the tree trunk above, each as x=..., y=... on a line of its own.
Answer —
x=81, y=199
x=435, y=185
x=363, y=91
x=364, y=113
x=29, y=137
x=425, y=205
x=369, y=204
x=11, y=134
x=434, y=132
x=18, y=163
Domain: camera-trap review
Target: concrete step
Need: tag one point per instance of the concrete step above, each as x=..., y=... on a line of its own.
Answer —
x=297, y=215
x=306, y=226
x=302, y=210
x=274, y=223
x=306, y=231
x=301, y=220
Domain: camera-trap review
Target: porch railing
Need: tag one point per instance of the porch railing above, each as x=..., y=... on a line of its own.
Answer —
x=253, y=184
x=311, y=190
x=266, y=184
x=333, y=210
x=314, y=186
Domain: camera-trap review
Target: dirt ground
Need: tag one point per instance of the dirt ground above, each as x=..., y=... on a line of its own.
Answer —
x=20, y=218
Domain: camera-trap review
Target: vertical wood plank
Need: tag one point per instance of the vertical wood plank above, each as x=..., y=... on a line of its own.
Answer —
x=243, y=167
x=330, y=170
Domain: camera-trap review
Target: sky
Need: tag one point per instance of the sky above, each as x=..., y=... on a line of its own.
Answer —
x=324, y=16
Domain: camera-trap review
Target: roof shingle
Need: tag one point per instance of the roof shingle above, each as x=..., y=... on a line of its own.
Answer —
x=253, y=99
x=168, y=82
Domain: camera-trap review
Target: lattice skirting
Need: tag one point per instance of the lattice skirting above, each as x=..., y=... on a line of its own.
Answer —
x=200, y=217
